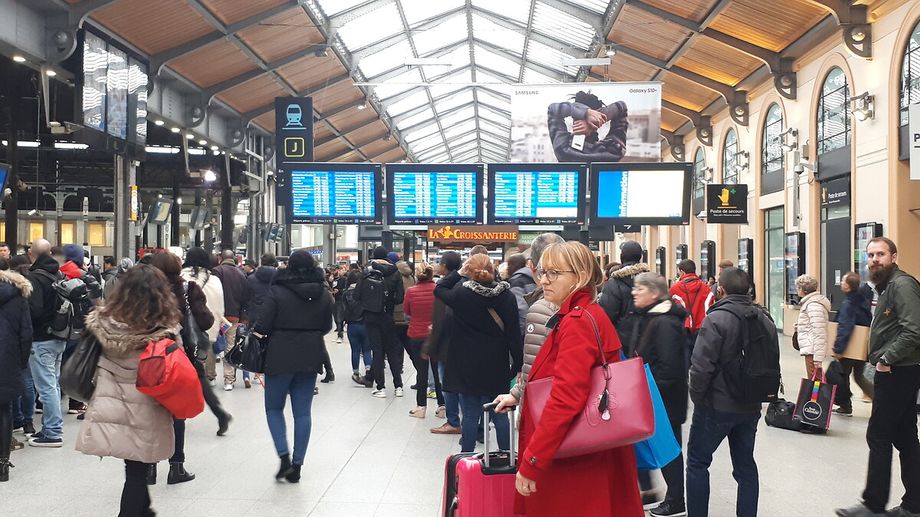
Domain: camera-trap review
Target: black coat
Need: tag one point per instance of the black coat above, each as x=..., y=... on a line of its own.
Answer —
x=259, y=284
x=660, y=338
x=482, y=358
x=295, y=316
x=42, y=302
x=617, y=300
x=236, y=290
x=15, y=333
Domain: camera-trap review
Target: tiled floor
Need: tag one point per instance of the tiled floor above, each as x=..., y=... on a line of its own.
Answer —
x=367, y=457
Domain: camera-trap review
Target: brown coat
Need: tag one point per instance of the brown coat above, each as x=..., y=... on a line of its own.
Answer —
x=122, y=422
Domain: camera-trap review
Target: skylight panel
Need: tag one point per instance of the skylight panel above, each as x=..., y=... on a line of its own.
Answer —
x=451, y=83
x=398, y=84
x=457, y=116
x=533, y=77
x=333, y=7
x=428, y=141
x=553, y=22
x=490, y=98
x=494, y=81
x=426, y=114
x=432, y=155
x=373, y=26
x=450, y=31
x=487, y=137
x=419, y=10
x=487, y=114
x=498, y=129
x=491, y=32
x=517, y=10
x=417, y=134
x=385, y=59
x=459, y=129
x=549, y=57
x=413, y=101
x=495, y=61
x=598, y=6
x=459, y=99
x=467, y=157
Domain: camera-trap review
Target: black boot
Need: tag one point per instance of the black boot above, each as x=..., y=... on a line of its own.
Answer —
x=5, y=470
x=223, y=423
x=330, y=377
x=285, y=467
x=293, y=475
x=152, y=474
x=178, y=474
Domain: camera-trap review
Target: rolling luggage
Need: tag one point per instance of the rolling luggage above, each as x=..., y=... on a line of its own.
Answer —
x=481, y=485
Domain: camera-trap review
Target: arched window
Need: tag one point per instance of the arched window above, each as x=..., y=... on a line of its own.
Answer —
x=730, y=157
x=773, y=157
x=699, y=180
x=910, y=74
x=834, y=113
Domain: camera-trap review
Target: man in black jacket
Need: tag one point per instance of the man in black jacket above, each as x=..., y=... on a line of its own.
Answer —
x=437, y=344
x=378, y=317
x=236, y=294
x=259, y=285
x=718, y=412
x=616, y=298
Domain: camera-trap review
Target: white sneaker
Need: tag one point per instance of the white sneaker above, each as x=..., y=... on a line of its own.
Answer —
x=380, y=394
x=399, y=392
x=228, y=387
x=213, y=382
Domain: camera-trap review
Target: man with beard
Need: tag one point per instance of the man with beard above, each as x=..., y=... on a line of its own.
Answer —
x=894, y=347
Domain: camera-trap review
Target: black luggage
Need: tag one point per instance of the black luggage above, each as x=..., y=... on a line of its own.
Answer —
x=779, y=414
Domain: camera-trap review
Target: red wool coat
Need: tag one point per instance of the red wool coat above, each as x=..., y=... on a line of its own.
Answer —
x=603, y=484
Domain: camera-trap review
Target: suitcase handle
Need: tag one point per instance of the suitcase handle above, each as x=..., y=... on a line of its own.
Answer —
x=487, y=410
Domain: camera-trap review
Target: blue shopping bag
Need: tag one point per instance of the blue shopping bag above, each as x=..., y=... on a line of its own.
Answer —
x=662, y=447
x=221, y=344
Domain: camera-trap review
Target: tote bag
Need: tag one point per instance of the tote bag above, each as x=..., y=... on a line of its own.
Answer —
x=78, y=374
x=662, y=447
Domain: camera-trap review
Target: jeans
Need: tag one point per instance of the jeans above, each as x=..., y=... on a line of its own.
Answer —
x=422, y=366
x=24, y=406
x=472, y=414
x=357, y=338
x=451, y=402
x=135, y=498
x=381, y=331
x=709, y=428
x=844, y=393
x=45, y=362
x=894, y=423
x=300, y=387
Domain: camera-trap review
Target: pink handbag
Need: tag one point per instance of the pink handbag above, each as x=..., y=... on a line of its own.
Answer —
x=618, y=412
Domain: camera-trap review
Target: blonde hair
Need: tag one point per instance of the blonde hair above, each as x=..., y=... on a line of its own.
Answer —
x=574, y=256
x=479, y=268
x=423, y=272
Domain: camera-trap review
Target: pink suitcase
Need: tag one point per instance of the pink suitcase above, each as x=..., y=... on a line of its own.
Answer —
x=481, y=485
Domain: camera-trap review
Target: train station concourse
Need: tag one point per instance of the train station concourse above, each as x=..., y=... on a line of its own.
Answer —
x=326, y=233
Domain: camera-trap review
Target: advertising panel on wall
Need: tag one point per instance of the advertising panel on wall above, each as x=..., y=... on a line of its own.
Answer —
x=586, y=122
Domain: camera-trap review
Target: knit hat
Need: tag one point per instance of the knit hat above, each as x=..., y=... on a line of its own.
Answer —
x=393, y=257
x=630, y=252
x=380, y=253
x=74, y=253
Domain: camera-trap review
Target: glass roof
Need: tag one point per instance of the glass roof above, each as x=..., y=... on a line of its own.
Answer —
x=454, y=104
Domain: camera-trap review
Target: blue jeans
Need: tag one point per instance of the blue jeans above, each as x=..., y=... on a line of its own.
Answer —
x=24, y=406
x=360, y=346
x=472, y=414
x=45, y=363
x=709, y=428
x=451, y=402
x=300, y=387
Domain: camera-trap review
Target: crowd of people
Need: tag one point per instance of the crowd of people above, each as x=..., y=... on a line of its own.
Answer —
x=475, y=332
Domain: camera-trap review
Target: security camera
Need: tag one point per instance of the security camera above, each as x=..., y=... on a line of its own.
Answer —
x=801, y=166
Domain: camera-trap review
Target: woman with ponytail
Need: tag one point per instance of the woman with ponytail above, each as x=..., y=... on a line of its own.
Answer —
x=418, y=306
x=486, y=350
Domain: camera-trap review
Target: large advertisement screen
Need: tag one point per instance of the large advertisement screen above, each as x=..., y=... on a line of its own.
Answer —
x=537, y=193
x=435, y=194
x=326, y=193
x=586, y=122
x=95, y=66
x=640, y=193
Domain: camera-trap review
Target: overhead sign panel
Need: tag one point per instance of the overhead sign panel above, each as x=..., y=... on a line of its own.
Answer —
x=727, y=203
x=293, y=134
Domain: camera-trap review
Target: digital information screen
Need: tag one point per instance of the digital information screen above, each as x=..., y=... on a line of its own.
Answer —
x=536, y=196
x=335, y=196
x=95, y=67
x=640, y=194
x=435, y=196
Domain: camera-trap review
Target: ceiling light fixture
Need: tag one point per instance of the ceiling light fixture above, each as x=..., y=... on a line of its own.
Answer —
x=203, y=142
x=611, y=51
x=175, y=130
x=362, y=106
x=50, y=73
x=863, y=106
x=209, y=175
x=190, y=136
x=19, y=59
x=159, y=122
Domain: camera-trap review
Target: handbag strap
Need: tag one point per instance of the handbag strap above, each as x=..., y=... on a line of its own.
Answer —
x=597, y=338
x=498, y=320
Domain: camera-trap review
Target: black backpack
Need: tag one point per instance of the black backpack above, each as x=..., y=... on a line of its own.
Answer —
x=354, y=311
x=754, y=374
x=373, y=291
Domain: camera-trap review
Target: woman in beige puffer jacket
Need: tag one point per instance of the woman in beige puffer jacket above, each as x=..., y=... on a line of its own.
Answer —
x=122, y=422
x=812, y=325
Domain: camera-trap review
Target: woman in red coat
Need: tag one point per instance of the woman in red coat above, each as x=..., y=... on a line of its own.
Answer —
x=602, y=484
x=418, y=306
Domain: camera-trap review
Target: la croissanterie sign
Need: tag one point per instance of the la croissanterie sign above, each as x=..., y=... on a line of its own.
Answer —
x=449, y=233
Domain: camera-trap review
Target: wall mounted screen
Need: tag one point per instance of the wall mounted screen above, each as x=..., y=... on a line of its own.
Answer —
x=435, y=194
x=336, y=193
x=537, y=193
x=640, y=193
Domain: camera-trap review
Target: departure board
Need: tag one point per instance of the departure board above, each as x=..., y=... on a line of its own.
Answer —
x=345, y=195
x=536, y=194
x=435, y=194
x=640, y=193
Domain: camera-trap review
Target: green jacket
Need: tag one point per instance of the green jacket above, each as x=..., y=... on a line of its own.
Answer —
x=895, y=333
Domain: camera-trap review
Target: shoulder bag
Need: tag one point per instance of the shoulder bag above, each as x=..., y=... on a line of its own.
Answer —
x=78, y=373
x=618, y=411
x=193, y=338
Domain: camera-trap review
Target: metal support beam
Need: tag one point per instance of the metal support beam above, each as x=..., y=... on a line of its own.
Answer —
x=854, y=24
x=227, y=84
x=701, y=123
x=249, y=115
x=600, y=39
x=676, y=142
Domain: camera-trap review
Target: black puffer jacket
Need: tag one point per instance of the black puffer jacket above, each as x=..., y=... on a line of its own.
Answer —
x=15, y=333
x=482, y=358
x=42, y=274
x=295, y=316
x=617, y=300
x=660, y=339
x=259, y=284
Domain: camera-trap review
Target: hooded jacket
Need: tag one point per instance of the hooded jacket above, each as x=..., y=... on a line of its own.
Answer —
x=617, y=301
x=392, y=282
x=853, y=311
x=213, y=297
x=522, y=284
x=695, y=296
x=895, y=333
x=259, y=285
x=483, y=357
x=295, y=315
x=812, y=326
x=408, y=280
x=236, y=290
x=44, y=272
x=660, y=340
x=120, y=421
x=15, y=333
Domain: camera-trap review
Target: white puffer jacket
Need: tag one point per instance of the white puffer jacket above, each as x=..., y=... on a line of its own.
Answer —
x=812, y=326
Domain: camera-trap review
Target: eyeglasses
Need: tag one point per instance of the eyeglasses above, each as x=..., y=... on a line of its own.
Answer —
x=551, y=274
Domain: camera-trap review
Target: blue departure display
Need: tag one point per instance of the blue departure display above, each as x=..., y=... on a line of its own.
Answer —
x=435, y=197
x=536, y=197
x=338, y=196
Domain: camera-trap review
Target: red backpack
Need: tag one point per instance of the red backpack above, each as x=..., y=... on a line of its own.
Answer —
x=166, y=374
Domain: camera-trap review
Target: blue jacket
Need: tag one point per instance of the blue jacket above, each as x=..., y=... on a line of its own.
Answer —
x=853, y=311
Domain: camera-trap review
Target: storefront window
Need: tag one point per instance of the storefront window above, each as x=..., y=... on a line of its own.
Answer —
x=96, y=234
x=68, y=233
x=730, y=157
x=834, y=113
